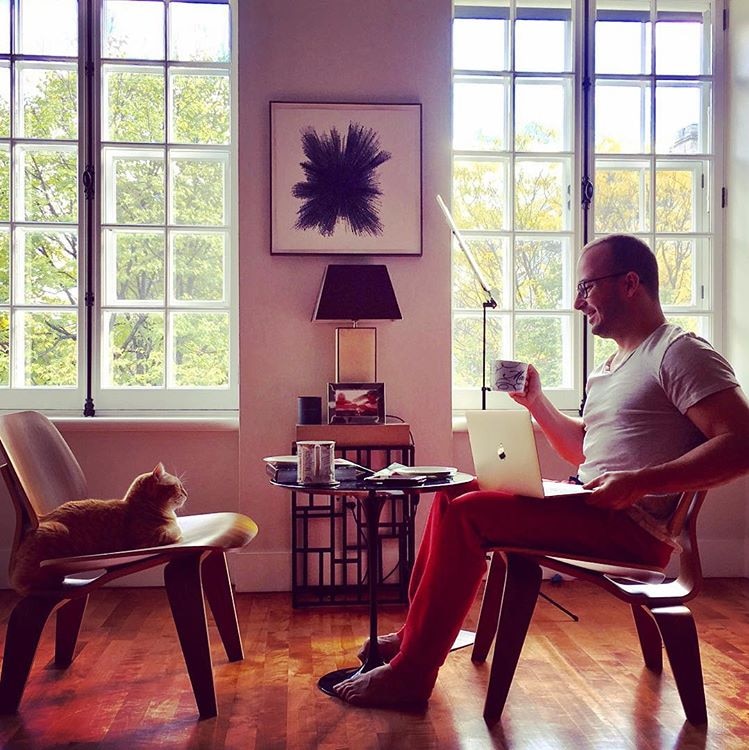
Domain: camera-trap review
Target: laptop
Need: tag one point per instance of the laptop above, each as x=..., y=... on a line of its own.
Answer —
x=505, y=457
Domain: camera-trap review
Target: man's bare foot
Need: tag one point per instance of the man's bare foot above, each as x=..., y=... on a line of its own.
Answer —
x=387, y=645
x=384, y=687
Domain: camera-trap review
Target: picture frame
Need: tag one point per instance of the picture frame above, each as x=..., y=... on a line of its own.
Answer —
x=356, y=403
x=377, y=171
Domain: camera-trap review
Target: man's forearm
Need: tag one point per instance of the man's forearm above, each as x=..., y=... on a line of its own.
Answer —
x=715, y=462
x=564, y=433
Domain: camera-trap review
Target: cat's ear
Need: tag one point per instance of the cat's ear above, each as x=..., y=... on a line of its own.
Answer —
x=159, y=471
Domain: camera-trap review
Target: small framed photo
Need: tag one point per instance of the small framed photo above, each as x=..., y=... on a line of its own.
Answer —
x=356, y=403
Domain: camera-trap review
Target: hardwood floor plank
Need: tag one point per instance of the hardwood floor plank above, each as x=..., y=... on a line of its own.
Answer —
x=578, y=685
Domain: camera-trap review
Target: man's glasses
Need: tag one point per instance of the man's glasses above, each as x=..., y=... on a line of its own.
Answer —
x=584, y=287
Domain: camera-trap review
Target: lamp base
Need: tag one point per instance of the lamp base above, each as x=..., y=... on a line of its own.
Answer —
x=356, y=355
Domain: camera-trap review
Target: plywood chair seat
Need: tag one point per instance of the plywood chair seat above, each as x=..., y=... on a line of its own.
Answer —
x=658, y=608
x=41, y=472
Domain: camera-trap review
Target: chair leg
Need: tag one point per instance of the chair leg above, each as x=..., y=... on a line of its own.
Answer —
x=682, y=646
x=486, y=628
x=650, y=638
x=25, y=627
x=69, y=619
x=185, y=592
x=522, y=584
x=217, y=587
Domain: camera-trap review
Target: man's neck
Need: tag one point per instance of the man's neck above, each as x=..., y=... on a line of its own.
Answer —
x=630, y=340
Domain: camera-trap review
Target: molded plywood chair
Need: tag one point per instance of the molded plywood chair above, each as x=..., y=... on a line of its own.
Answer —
x=658, y=607
x=41, y=472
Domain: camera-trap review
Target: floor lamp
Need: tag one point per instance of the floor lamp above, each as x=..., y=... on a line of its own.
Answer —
x=489, y=303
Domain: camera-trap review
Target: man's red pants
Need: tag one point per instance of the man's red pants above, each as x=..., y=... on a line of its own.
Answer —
x=451, y=560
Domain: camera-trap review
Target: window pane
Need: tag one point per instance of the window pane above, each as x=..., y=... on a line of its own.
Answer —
x=542, y=196
x=50, y=267
x=4, y=348
x=480, y=194
x=539, y=273
x=48, y=27
x=467, y=347
x=199, y=31
x=480, y=44
x=201, y=349
x=135, y=266
x=542, y=111
x=678, y=198
x=4, y=27
x=50, y=348
x=682, y=37
x=623, y=46
x=4, y=267
x=133, y=29
x=681, y=118
x=198, y=190
x=48, y=101
x=133, y=104
x=200, y=104
x=48, y=188
x=679, y=266
x=4, y=183
x=198, y=262
x=136, y=349
x=622, y=117
x=491, y=256
x=544, y=341
x=480, y=115
x=4, y=101
x=135, y=187
x=622, y=197
x=543, y=46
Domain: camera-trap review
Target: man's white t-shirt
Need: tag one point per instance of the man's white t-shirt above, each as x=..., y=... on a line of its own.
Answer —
x=634, y=415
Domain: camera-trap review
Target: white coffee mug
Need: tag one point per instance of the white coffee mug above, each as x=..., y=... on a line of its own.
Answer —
x=315, y=461
x=510, y=376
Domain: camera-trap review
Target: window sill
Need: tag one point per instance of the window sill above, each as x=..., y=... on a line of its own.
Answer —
x=147, y=424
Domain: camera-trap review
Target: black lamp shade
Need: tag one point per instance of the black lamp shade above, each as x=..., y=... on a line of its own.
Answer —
x=361, y=292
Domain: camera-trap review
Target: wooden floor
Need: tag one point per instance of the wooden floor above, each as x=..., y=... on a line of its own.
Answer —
x=578, y=685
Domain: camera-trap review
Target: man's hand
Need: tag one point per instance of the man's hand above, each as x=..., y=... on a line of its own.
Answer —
x=532, y=390
x=615, y=489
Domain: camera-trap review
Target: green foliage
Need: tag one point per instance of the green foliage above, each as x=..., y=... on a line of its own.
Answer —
x=137, y=349
x=51, y=349
x=201, y=109
x=199, y=191
x=139, y=190
x=139, y=265
x=201, y=343
x=198, y=266
x=50, y=103
x=134, y=106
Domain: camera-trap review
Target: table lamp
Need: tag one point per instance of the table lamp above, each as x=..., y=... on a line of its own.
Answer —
x=362, y=292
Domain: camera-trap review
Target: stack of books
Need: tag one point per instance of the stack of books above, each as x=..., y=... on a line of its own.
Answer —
x=283, y=469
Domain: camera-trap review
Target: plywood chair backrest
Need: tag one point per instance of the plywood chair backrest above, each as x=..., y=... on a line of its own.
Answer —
x=42, y=467
x=683, y=526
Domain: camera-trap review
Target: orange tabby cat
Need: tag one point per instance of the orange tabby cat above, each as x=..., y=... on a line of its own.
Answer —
x=145, y=517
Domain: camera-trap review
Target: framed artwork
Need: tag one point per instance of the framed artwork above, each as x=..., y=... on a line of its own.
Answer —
x=356, y=403
x=345, y=179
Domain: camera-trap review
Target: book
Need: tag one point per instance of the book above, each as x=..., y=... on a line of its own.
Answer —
x=283, y=469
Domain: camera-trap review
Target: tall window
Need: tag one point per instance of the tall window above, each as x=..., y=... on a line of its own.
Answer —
x=116, y=205
x=567, y=127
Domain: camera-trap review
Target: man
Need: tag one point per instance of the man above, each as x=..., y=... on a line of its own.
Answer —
x=664, y=414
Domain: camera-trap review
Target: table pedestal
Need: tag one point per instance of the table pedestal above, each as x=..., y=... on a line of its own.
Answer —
x=372, y=508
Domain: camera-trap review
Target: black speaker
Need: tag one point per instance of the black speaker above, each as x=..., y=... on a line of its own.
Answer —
x=309, y=410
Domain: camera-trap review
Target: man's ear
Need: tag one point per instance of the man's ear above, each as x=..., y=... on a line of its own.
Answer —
x=632, y=280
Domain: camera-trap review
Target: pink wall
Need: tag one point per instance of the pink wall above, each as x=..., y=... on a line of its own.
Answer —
x=348, y=51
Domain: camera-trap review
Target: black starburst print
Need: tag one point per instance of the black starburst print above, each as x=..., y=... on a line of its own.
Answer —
x=341, y=181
